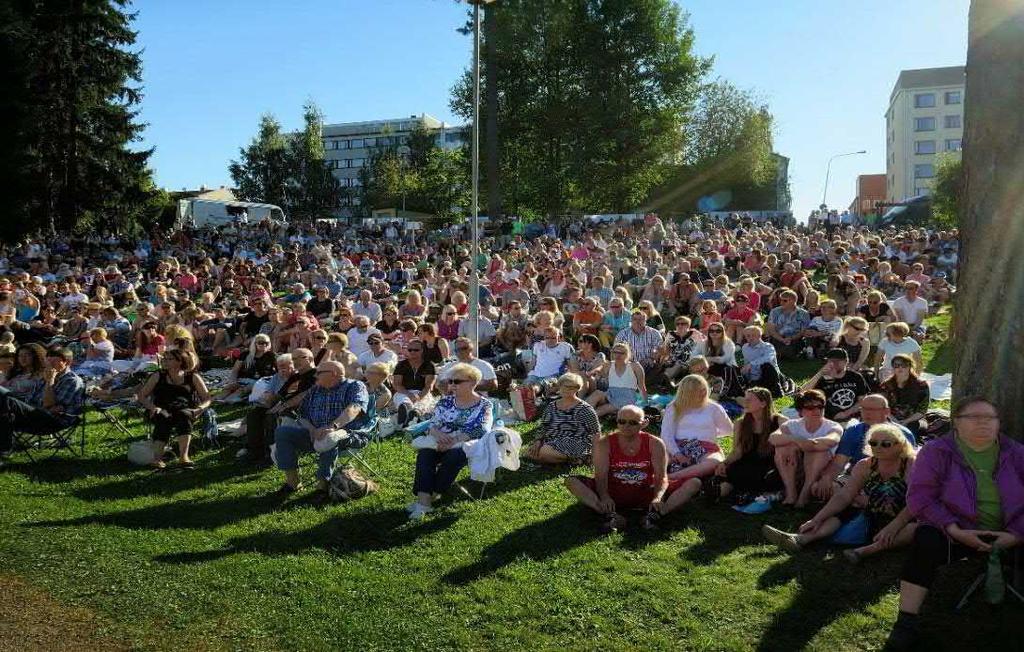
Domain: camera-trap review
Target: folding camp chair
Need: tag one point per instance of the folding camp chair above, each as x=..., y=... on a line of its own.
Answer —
x=1014, y=563
x=366, y=436
x=71, y=437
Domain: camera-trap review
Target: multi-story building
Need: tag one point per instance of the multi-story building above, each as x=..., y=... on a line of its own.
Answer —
x=350, y=145
x=871, y=192
x=925, y=118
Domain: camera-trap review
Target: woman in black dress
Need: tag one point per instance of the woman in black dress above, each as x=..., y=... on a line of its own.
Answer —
x=175, y=396
x=750, y=468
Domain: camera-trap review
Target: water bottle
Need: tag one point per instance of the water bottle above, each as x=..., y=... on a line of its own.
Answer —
x=995, y=585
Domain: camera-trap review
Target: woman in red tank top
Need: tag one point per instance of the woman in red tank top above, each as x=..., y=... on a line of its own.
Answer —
x=629, y=474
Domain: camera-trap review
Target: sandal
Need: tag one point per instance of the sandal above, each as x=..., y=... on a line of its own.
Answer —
x=187, y=466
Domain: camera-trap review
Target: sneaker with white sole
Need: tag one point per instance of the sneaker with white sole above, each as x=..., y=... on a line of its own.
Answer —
x=330, y=440
x=419, y=512
x=784, y=540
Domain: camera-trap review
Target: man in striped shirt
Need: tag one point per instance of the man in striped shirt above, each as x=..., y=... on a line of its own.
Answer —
x=644, y=341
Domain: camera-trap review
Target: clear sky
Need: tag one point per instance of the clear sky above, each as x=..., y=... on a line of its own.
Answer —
x=212, y=67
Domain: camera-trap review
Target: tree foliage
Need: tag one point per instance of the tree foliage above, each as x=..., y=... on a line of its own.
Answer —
x=289, y=170
x=262, y=173
x=69, y=93
x=592, y=100
x=948, y=191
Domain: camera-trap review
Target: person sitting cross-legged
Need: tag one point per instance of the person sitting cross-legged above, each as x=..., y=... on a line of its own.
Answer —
x=630, y=473
x=690, y=429
x=332, y=404
x=809, y=440
x=882, y=478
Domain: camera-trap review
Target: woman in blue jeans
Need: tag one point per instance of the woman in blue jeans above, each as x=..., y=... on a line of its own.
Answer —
x=459, y=417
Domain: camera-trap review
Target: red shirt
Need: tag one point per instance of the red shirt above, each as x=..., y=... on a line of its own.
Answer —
x=631, y=477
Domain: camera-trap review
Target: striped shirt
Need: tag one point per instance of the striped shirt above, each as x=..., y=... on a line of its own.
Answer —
x=644, y=344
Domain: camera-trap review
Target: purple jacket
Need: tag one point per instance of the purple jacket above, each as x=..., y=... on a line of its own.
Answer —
x=943, y=487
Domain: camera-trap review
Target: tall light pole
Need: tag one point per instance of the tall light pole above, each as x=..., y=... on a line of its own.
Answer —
x=828, y=170
x=474, y=278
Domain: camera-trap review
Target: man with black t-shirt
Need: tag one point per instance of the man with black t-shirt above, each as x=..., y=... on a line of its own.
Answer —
x=843, y=388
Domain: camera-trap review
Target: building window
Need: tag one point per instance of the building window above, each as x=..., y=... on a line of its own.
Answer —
x=924, y=124
x=369, y=142
x=358, y=162
x=924, y=100
x=924, y=171
x=924, y=146
x=952, y=97
x=343, y=144
x=953, y=145
x=952, y=122
x=357, y=143
x=922, y=191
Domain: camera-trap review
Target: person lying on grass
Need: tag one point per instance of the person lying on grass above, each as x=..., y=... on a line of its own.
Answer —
x=810, y=440
x=630, y=473
x=879, y=482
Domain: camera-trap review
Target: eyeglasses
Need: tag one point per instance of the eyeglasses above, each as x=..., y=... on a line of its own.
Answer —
x=900, y=365
x=414, y=350
x=857, y=328
x=459, y=381
x=888, y=443
x=627, y=422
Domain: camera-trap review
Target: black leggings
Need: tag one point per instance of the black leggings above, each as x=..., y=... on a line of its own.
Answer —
x=930, y=550
x=178, y=422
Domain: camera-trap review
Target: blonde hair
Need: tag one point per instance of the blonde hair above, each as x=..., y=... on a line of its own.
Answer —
x=625, y=345
x=894, y=432
x=693, y=394
x=571, y=380
x=899, y=328
x=466, y=371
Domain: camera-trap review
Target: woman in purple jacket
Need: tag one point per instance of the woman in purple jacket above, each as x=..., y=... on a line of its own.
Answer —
x=967, y=492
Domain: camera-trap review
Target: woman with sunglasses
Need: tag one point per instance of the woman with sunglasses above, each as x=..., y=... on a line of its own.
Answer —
x=967, y=492
x=881, y=478
x=175, y=396
x=625, y=381
x=808, y=441
x=570, y=426
x=258, y=363
x=448, y=324
x=907, y=393
x=458, y=417
x=629, y=474
x=853, y=338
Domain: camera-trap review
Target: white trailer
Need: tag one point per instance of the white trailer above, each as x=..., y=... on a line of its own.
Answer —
x=201, y=213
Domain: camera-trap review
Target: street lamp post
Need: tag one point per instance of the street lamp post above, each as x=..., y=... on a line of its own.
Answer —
x=828, y=171
x=474, y=278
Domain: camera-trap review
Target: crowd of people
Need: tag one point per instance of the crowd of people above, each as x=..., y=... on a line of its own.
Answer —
x=326, y=330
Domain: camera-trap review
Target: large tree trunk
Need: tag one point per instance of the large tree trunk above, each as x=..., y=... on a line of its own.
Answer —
x=988, y=331
x=491, y=87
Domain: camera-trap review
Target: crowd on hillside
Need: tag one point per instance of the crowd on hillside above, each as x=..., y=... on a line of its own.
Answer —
x=329, y=330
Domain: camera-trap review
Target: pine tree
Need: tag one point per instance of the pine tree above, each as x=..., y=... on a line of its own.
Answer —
x=262, y=173
x=75, y=86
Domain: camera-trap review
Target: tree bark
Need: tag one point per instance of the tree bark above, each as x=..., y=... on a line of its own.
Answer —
x=988, y=328
x=492, y=169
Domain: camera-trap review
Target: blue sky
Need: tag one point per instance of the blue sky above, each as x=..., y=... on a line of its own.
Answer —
x=211, y=68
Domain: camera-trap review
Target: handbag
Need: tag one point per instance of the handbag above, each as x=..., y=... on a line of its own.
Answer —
x=524, y=402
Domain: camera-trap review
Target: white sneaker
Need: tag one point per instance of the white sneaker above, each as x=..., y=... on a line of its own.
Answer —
x=330, y=440
x=241, y=453
x=419, y=512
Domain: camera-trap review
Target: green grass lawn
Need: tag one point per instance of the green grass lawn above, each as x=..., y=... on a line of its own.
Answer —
x=204, y=560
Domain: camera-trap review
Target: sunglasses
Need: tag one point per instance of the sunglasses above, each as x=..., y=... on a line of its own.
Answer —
x=268, y=343
x=414, y=350
x=715, y=330
x=888, y=443
x=627, y=422
x=324, y=371
x=459, y=381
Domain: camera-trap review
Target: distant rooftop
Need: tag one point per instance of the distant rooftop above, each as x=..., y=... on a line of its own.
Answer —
x=929, y=77
x=375, y=126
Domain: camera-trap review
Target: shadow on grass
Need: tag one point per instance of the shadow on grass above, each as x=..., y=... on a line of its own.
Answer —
x=66, y=468
x=362, y=531
x=538, y=541
x=828, y=588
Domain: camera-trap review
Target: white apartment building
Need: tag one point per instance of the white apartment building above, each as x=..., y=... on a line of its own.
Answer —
x=349, y=145
x=925, y=118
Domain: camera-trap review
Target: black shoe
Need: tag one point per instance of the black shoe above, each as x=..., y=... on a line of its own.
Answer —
x=404, y=415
